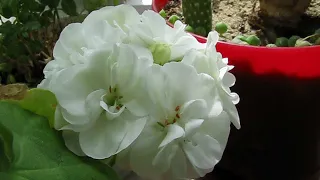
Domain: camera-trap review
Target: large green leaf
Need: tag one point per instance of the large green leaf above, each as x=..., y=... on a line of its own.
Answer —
x=39, y=152
x=41, y=102
x=69, y=7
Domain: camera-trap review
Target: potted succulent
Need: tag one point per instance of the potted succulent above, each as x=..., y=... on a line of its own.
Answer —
x=275, y=84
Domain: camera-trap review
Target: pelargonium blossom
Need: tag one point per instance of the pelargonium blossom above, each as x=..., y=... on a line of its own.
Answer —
x=99, y=100
x=132, y=88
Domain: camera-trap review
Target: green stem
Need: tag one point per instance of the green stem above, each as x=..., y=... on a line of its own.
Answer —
x=313, y=35
x=56, y=12
x=112, y=161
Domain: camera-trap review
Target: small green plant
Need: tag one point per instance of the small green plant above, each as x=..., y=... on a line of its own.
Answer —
x=282, y=42
x=26, y=44
x=221, y=28
x=292, y=41
x=189, y=29
x=173, y=19
x=163, y=13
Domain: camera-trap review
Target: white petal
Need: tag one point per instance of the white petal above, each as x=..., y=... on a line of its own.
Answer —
x=71, y=89
x=134, y=130
x=158, y=91
x=179, y=80
x=205, y=154
x=197, y=60
x=218, y=128
x=71, y=140
x=132, y=62
x=217, y=107
x=156, y=22
x=120, y=16
x=232, y=111
x=107, y=137
x=136, y=108
x=143, y=152
x=228, y=80
x=163, y=159
x=192, y=126
x=174, y=132
x=111, y=111
x=59, y=121
x=183, y=45
x=213, y=38
x=92, y=103
x=194, y=109
x=179, y=165
x=103, y=139
x=70, y=41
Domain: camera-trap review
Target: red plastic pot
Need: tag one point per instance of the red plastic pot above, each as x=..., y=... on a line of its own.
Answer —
x=299, y=62
x=279, y=109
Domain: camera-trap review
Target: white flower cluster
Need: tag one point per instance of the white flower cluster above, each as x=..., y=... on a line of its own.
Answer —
x=131, y=87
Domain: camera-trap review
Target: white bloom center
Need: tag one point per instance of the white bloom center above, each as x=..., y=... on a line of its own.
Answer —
x=171, y=119
x=161, y=53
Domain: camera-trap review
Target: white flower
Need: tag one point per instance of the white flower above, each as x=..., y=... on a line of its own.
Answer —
x=100, y=28
x=153, y=31
x=98, y=101
x=181, y=139
x=211, y=62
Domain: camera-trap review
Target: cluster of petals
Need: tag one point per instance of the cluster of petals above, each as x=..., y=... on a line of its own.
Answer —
x=132, y=88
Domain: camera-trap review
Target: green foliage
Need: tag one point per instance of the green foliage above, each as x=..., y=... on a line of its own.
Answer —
x=292, y=40
x=31, y=150
x=253, y=40
x=41, y=102
x=189, y=29
x=69, y=7
x=172, y=19
x=282, y=42
x=24, y=49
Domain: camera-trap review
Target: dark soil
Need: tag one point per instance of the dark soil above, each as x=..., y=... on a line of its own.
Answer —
x=242, y=19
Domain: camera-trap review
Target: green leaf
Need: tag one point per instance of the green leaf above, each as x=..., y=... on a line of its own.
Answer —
x=41, y=102
x=51, y=3
x=39, y=152
x=10, y=8
x=32, y=25
x=69, y=7
x=91, y=5
x=6, y=156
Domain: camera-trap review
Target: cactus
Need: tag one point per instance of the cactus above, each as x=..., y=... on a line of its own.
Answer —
x=198, y=14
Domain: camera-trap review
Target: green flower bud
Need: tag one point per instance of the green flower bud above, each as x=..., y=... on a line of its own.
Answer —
x=161, y=53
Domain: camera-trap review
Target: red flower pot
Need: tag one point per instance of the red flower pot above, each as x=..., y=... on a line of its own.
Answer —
x=279, y=113
x=291, y=61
